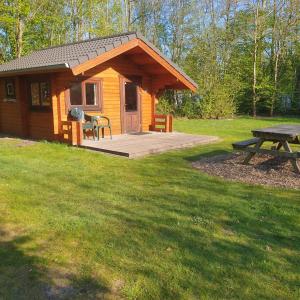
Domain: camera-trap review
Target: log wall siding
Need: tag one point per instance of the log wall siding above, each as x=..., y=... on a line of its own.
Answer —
x=41, y=126
x=16, y=118
x=10, y=112
x=110, y=73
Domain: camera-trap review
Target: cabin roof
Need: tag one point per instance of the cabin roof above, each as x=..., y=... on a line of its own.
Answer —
x=72, y=55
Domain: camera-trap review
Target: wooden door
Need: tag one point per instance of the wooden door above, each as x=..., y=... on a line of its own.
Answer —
x=130, y=106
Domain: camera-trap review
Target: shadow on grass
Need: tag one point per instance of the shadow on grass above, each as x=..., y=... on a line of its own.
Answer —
x=246, y=253
x=19, y=276
x=24, y=276
x=196, y=157
x=223, y=234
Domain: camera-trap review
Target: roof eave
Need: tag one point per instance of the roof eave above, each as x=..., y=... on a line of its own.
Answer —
x=44, y=69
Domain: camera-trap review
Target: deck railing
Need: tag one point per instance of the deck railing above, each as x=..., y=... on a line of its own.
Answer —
x=162, y=123
x=71, y=132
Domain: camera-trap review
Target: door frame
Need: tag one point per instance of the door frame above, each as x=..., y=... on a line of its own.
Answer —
x=123, y=80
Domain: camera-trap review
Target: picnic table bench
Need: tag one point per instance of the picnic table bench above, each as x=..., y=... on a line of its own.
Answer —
x=244, y=144
x=282, y=136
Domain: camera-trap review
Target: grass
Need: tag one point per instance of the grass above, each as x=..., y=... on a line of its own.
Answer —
x=81, y=225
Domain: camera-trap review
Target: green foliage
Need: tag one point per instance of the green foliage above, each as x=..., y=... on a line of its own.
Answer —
x=164, y=107
x=213, y=42
x=190, y=108
x=217, y=103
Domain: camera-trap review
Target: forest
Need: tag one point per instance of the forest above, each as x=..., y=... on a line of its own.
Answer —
x=244, y=55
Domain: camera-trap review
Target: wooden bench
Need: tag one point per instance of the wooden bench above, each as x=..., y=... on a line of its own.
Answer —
x=244, y=144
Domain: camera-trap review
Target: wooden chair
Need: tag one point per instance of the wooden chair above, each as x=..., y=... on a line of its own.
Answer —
x=101, y=122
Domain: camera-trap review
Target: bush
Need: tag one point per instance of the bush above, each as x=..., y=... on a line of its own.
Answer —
x=216, y=104
x=189, y=107
x=164, y=107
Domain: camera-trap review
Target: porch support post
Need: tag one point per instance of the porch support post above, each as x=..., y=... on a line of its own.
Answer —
x=169, y=125
x=76, y=133
x=55, y=97
x=153, y=99
x=154, y=96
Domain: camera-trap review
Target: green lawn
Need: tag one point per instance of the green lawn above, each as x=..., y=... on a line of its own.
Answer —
x=81, y=225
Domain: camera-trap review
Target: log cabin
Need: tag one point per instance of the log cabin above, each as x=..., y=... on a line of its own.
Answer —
x=117, y=76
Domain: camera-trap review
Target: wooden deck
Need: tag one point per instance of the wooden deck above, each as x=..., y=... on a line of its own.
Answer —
x=138, y=145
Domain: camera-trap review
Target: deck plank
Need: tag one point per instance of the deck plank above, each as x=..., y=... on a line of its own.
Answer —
x=135, y=145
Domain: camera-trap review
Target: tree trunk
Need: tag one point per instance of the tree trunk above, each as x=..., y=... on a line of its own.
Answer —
x=254, y=99
x=275, y=48
x=274, y=96
x=254, y=96
x=128, y=15
x=19, y=37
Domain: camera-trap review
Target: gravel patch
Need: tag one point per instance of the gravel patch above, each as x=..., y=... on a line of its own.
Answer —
x=262, y=170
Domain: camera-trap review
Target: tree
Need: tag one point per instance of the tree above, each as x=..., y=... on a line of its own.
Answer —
x=16, y=15
x=244, y=54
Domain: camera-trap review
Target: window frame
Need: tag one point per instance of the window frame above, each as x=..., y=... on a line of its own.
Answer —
x=12, y=81
x=99, y=95
x=39, y=107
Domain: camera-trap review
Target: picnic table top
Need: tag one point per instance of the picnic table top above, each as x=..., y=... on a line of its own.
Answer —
x=284, y=131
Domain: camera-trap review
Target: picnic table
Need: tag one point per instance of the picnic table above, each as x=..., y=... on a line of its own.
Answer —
x=281, y=135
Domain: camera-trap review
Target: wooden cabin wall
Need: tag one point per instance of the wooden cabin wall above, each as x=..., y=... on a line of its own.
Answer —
x=41, y=126
x=10, y=112
x=147, y=105
x=17, y=119
x=110, y=73
x=41, y=123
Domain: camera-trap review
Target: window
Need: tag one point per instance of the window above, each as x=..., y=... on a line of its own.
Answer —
x=10, y=91
x=76, y=94
x=35, y=93
x=86, y=94
x=131, y=96
x=91, y=93
x=40, y=94
x=45, y=94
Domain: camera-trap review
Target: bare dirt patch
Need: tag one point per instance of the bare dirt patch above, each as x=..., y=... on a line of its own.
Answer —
x=262, y=170
x=16, y=142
